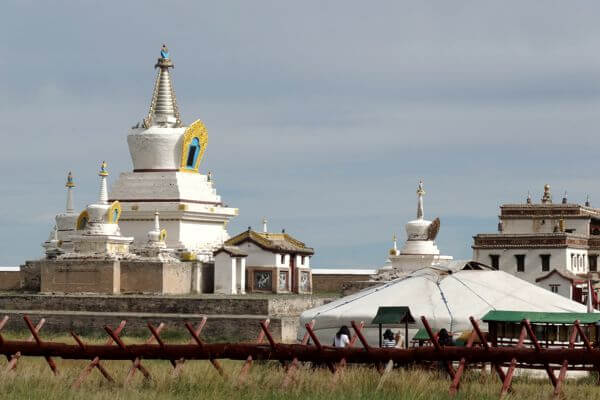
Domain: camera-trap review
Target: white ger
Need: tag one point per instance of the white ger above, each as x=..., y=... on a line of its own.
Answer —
x=447, y=294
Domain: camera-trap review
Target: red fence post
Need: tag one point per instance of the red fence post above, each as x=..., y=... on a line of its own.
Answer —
x=38, y=340
x=246, y=367
x=513, y=363
x=294, y=364
x=461, y=367
x=486, y=346
x=538, y=348
x=12, y=363
x=137, y=362
x=437, y=346
x=199, y=342
x=179, y=363
x=563, y=369
x=95, y=363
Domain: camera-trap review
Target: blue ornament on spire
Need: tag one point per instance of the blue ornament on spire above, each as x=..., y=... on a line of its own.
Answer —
x=164, y=51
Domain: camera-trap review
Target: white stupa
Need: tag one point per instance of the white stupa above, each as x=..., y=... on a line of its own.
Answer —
x=98, y=232
x=419, y=250
x=62, y=233
x=166, y=177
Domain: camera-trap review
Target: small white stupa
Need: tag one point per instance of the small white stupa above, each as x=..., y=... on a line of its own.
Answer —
x=156, y=246
x=98, y=226
x=420, y=249
x=60, y=238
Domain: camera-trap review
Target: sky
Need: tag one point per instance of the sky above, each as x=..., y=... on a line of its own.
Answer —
x=321, y=115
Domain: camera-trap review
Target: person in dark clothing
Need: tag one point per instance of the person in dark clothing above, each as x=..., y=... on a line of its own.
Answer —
x=444, y=338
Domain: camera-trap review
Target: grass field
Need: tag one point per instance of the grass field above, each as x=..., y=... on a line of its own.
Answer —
x=199, y=380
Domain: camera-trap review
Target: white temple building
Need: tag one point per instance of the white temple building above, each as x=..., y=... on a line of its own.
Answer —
x=166, y=177
x=419, y=250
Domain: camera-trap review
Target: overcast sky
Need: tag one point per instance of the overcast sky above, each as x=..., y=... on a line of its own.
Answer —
x=322, y=115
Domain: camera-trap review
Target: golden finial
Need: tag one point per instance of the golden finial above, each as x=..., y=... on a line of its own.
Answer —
x=70, y=182
x=103, y=171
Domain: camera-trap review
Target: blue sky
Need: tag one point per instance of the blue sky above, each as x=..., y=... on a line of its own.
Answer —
x=322, y=115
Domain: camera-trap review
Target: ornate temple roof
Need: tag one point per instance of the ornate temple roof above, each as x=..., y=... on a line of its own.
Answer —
x=276, y=242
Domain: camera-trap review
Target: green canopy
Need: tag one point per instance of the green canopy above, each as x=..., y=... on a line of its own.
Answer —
x=393, y=315
x=541, y=317
x=421, y=335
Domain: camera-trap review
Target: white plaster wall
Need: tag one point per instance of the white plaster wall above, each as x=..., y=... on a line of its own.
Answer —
x=225, y=274
x=155, y=147
x=565, y=289
x=544, y=225
x=258, y=256
x=533, y=261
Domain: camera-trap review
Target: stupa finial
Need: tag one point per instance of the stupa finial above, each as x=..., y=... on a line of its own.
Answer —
x=103, y=188
x=70, y=185
x=163, y=107
x=420, y=193
x=264, y=221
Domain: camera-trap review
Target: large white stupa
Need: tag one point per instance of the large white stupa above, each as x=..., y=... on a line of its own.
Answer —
x=166, y=177
x=419, y=250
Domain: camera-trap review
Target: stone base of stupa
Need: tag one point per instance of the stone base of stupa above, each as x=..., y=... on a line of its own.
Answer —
x=114, y=276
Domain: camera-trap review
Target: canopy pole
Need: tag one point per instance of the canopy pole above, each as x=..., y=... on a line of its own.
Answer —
x=406, y=333
x=379, y=335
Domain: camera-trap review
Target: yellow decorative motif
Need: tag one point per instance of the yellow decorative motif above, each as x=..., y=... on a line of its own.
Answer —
x=188, y=256
x=183, y=207
x=134, y=208
x=163, y=235
x=195, y=130
x=114, y=213
x=82, y=220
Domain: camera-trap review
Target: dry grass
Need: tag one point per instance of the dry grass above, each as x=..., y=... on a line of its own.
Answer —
x=33, y=380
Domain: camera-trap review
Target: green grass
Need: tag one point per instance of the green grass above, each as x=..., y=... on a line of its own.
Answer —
x=199, y=380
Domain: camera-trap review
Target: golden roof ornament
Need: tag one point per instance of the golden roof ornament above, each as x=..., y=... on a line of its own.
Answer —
x=547, y=197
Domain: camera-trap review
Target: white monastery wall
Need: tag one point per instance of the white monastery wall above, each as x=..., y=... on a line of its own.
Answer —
x=225, y=274
x=533, y=261
x=543, y=225
x=258, y=256
x=562, y=286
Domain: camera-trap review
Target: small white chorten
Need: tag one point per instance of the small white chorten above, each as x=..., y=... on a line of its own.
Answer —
x=420, y=249
x=65, y=224
x=98, y=225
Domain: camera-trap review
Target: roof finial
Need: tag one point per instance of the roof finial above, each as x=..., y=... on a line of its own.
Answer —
x=528, y=197
x=103, y=188
x=564, y=199
x=264, y=221
x=587, y=200
x=163, y=107
x=547, y=197
x=420, y=193
x=394, y=250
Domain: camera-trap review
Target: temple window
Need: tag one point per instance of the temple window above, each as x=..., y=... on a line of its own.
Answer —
x=193, y=151
x=495, y=260
x=593, y=262
x=554, y=288
x=545, y=262
x=520, y=262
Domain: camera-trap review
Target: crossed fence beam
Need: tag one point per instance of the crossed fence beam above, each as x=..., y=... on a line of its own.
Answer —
x=291, y=355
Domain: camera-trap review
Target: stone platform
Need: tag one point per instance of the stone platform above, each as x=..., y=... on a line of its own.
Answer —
x=230, y=318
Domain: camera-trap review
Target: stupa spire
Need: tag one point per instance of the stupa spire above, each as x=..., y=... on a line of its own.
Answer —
x=70, y=185
x=420, y=193
x=163, y=107
x=103, y=188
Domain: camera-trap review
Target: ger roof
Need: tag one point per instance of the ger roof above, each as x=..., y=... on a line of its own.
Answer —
x=276, y=242
x=541, y=317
